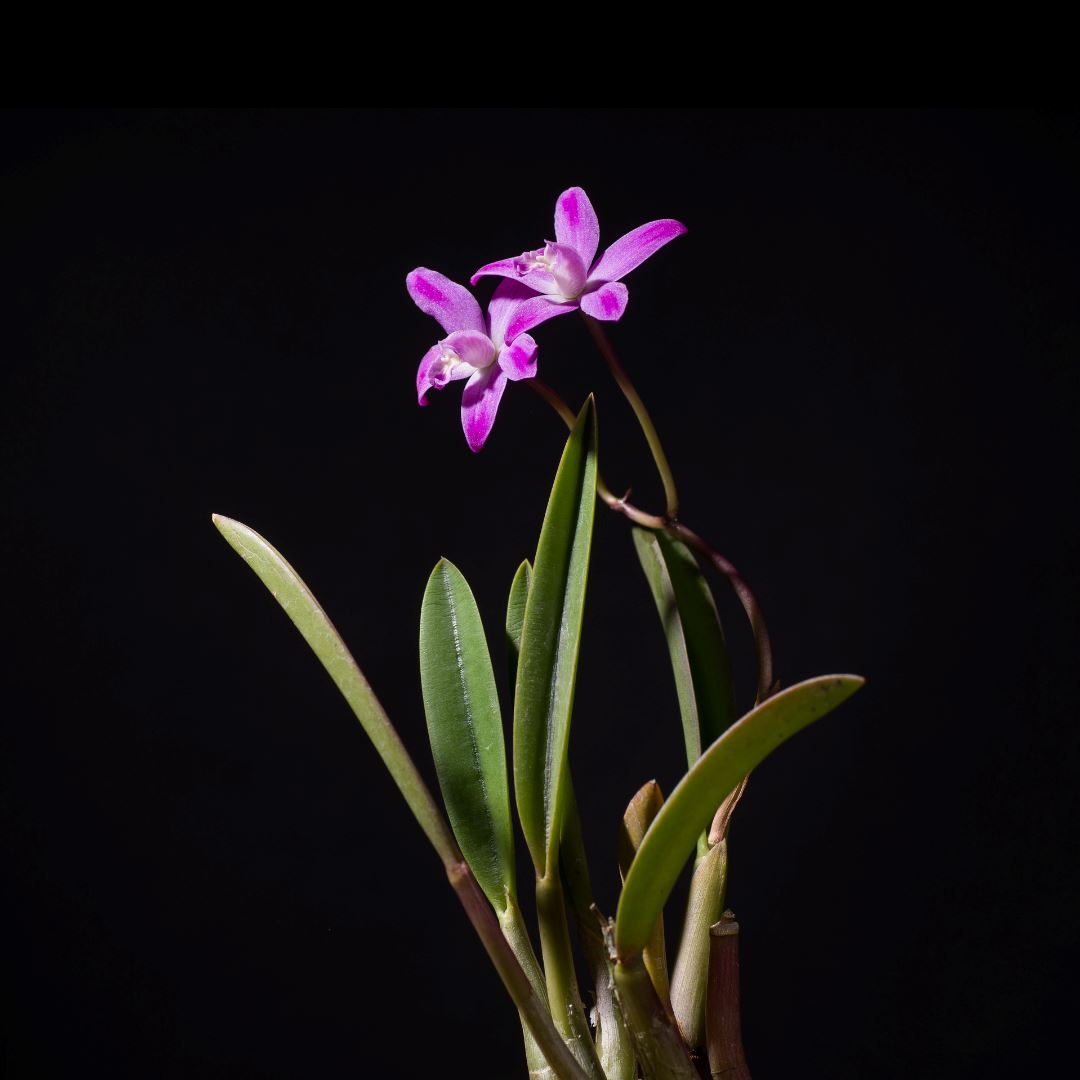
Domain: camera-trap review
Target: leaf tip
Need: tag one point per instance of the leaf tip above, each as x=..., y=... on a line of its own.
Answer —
x=225, y=525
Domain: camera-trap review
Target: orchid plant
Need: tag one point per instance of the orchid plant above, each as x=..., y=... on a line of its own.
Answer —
x=645, y=1018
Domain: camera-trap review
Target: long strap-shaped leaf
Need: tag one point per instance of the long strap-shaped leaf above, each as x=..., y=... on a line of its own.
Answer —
x=309, y=618
x=689, y=809
x=465, y=728
x=550, y=641
x=616, y=1057
x=699, y=656
x=319, y=632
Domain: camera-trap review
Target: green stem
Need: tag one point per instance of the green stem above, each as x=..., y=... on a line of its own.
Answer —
x=563, y=995
x=603, y=343
x=516, y=933
x=703, y=908
x=533, y=1010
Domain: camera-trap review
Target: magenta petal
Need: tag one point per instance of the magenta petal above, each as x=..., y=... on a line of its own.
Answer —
x=537, y=278
x=502, y=268
x=515, y=309
x=518, y=359
x=535, y=311
x=479, y=403
x=508, y=297
x=607, y=303
x=451, y=304
x=576, y=224
x=634, y=248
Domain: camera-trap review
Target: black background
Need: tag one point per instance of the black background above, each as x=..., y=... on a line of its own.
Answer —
x=862, y=359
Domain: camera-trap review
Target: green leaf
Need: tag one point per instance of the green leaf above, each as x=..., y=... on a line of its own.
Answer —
x=550, y=642
x=689, y=809
x=310, y=619
x=699, y=656
x=465, y=728
x=515, y=615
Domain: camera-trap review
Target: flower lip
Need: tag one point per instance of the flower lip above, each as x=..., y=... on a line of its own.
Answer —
x=556, y=270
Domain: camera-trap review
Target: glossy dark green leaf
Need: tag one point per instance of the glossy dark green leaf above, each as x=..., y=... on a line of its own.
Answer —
x=310, y=619
x=465, y=728
x=691, y=806
x=515, y=616
x=550, y=642
x=699, y=656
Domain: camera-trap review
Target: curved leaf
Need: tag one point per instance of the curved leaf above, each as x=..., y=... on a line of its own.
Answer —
x=465, y=728
x=318, y=631
x=699, y=656
x=550, y=641
x=674, y=832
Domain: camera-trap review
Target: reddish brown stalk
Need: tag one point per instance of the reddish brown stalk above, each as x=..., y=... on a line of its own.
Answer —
x=727, y=1060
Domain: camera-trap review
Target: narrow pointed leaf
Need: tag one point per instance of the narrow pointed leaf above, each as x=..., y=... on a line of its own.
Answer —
x=568, y=1010
x=318, y=631
x=302, y=608
x=699, y=656
x=690, y=807
x=465, y=728
x=515, y=616
x=550, y=642
x=637, y=818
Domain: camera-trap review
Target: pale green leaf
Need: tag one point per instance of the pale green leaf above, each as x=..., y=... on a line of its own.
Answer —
x=310, y=619
x=689, y=809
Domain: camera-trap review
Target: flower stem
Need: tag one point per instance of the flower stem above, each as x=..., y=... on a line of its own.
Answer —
x=766, y=685
x=607, y=351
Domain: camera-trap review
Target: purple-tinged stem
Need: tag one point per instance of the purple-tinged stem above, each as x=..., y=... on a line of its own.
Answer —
x=603, y=343
x=727, y=1059
x=766, y=686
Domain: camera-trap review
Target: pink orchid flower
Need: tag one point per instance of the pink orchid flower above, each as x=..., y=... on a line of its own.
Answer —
x=486, y=352
x=560, y=269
